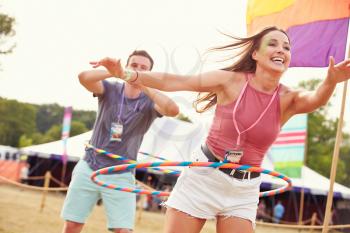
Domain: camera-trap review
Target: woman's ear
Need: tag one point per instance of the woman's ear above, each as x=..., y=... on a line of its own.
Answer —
x=254, y=55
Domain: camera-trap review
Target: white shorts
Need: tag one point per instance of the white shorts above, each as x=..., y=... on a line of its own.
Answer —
x=206, y=193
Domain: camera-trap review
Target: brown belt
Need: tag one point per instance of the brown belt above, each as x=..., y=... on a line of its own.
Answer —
x=238, y=174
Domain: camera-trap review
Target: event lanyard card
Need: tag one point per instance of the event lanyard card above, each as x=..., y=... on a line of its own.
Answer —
x=233, y=156
x=116, y=132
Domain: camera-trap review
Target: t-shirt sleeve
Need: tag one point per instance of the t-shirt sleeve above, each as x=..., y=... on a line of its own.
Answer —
x=150, y=114
x=154, y=113
x=107, y=88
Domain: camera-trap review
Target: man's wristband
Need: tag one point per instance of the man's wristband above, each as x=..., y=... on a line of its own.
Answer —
x=137, y=76
x=127, y=75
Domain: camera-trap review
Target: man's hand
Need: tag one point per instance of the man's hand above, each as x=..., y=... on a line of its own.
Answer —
x=112, y=65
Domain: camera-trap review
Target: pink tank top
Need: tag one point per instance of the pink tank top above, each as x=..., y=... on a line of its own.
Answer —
x=255, y=141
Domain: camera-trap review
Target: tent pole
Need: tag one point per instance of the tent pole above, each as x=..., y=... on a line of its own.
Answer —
x=318, y=209
x=46, y=186
x=63, y=174
x=301, y=207
x=302, y=192
x=295, y=205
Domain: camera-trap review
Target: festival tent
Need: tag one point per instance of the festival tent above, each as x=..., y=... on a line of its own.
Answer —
x=171, y=138
x=8, y=153
x=175, y=140
x=10, y=165
x=311, y=181
x=75, y=148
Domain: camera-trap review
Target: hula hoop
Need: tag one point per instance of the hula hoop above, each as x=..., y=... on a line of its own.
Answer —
x=152, y=156
x=130, y=161
x=109, y=170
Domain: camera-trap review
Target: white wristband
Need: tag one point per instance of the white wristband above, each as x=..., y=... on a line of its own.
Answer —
x=127, y=75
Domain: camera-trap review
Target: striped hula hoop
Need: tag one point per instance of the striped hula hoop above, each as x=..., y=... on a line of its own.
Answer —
x=109, y=170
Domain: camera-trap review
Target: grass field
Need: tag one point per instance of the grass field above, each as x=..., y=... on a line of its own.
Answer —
x=20, y=213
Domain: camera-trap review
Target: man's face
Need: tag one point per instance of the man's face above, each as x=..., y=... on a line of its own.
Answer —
x=139, y=63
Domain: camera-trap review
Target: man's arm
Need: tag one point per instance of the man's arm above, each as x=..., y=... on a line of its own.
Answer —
x=92, y=80
x=162, y=103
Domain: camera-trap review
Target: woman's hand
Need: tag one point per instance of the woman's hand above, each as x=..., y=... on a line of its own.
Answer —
x=339, y=72
x=112, y=65
x=308, y=101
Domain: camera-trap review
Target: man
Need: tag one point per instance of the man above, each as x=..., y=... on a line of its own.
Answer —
x=125, y=112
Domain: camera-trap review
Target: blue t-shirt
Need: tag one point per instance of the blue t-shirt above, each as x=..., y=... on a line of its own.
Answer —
x=278, y=211
x=136, y=116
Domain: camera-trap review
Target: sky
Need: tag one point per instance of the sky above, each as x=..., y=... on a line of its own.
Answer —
x=56, y=39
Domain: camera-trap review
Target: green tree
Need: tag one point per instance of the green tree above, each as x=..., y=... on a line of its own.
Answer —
x=48, y=115
x=37, y=138
x=86, y=117
x=6, y=30
x=16, y=119
x=23, y=124
x=77, y=128
x=52, y=114
x=321, y=139
x=345, y=156
x=24, y=141
x=55, y=132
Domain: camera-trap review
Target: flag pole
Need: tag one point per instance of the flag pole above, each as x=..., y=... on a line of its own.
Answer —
x=302, y=192
x=338, y=140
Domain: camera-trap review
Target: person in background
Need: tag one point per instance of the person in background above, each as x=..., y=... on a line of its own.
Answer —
x=261, y=213
x=24, y=173
x=278, y=212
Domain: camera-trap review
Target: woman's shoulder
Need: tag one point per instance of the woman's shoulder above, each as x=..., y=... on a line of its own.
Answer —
x=232, y=75
x=289, y=91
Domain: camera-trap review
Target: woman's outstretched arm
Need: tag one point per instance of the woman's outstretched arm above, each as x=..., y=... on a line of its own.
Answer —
x=308, y=101
x=212, y=81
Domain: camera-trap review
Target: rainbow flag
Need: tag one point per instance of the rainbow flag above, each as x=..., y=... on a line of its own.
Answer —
x=317, y=28
x=287, y=152
x=65, y=131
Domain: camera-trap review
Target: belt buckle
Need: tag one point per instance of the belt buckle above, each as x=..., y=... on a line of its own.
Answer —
x=241, y=171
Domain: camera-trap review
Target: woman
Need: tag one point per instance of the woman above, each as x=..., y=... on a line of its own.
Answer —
x=251, y=107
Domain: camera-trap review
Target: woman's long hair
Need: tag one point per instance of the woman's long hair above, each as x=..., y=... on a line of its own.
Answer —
x=245, y=63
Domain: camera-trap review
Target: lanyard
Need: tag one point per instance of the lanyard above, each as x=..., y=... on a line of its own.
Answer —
x=122, y=105
x=259, y=118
